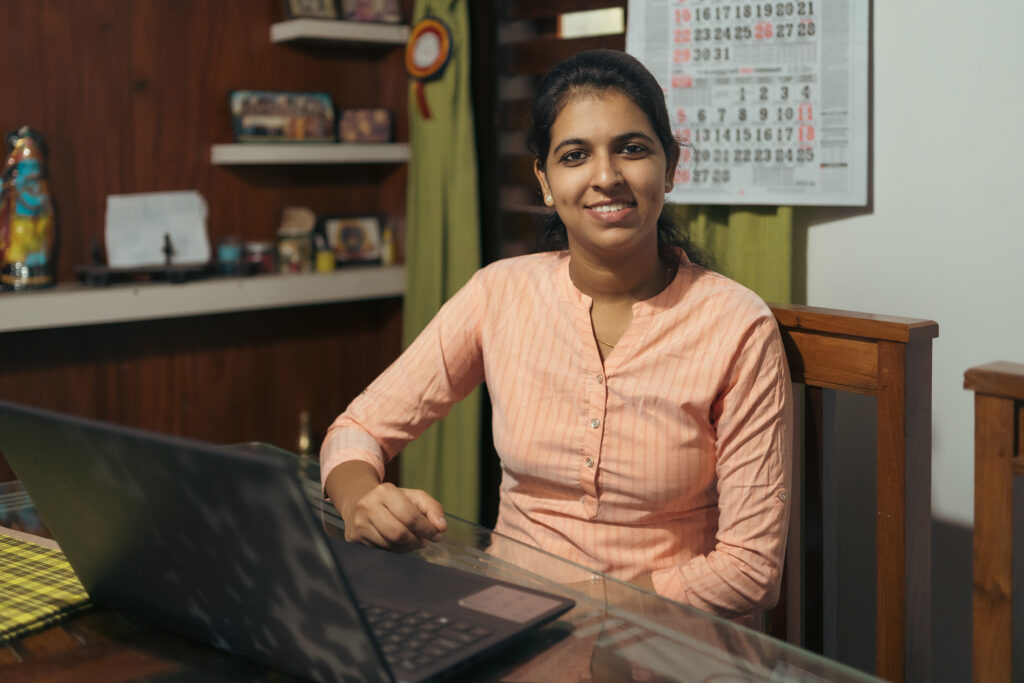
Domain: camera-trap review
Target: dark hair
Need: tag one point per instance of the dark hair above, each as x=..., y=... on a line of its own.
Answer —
x=599, y=70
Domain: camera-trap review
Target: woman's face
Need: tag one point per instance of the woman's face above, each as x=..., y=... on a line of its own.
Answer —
x=606, y=172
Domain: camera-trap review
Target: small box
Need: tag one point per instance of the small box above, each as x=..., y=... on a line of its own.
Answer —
x=365, y=125
x=354, y=239
x=310, y=9
x=280, y=116
x=387, y=11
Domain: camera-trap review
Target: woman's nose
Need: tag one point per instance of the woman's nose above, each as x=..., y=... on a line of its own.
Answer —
x=606, y=171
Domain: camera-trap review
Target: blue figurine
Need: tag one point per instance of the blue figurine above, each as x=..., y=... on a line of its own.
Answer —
x=27, y=228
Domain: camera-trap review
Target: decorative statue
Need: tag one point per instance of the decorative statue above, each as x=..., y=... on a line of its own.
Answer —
x=27, y=228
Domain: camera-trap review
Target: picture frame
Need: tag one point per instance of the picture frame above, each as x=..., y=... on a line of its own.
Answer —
x=382, y=11
x=310, y=9
x=354, y=239
x=282, y=116
x=365, y=125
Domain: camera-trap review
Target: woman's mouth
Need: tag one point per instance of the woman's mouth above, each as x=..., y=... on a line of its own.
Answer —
x=608, y=208
x=612, y=212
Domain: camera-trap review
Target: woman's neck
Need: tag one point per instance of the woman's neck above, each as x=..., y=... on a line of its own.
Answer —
x=624, y=280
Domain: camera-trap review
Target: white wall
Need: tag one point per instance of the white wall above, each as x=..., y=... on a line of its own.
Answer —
x=944, y=239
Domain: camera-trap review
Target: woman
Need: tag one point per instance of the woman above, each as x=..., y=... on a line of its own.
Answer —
x=641, y=403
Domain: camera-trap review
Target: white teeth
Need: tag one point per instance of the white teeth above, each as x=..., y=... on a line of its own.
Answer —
x=610, y=207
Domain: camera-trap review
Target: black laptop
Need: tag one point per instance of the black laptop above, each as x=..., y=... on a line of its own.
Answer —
x=222, y=545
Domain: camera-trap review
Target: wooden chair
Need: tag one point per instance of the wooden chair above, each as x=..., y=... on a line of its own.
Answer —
x=998, y=455
x=890, y=359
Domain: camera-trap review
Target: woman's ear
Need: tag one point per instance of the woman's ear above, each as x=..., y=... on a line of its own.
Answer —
x=670, y=171
x=542, y=178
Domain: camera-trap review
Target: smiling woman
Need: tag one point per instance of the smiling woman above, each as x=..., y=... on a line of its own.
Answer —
x=606, y=170
x=641, y=403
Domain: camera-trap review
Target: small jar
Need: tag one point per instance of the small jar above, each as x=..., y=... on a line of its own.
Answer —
x=260, y=258
x=294, y=251
x=229, y=256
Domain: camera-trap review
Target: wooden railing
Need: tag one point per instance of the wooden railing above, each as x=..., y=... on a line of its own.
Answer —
x=998, y=455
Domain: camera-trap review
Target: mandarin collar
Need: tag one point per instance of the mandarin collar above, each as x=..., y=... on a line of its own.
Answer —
x=662, y=301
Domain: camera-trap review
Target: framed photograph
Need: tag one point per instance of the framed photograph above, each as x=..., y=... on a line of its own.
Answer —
x=354, y=239
x=387, y=11
x=276, y=116
x=364, y=125
x=310, y=9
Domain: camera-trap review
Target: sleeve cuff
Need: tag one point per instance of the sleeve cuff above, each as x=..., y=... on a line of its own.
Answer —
x=340, y=448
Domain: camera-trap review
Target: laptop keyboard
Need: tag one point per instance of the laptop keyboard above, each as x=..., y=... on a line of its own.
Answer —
x=414, y=639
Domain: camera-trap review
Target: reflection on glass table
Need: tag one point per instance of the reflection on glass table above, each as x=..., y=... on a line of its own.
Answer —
x=616, y=632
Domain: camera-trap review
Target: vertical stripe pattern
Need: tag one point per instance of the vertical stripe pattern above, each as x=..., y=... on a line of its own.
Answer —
x=671, y=458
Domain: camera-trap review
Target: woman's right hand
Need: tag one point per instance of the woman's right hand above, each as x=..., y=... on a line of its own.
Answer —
x=383, y=515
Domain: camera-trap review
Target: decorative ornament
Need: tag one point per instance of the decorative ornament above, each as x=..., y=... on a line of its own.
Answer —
x=549, y=200
x=426, y=55
x=27, y=228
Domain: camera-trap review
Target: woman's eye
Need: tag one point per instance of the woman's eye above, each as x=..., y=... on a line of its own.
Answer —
x=634, y=148
x=575, y=155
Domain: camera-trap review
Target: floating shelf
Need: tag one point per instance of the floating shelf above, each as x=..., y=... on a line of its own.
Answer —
x=310, y=153
x=75, y=305
x=297, y=30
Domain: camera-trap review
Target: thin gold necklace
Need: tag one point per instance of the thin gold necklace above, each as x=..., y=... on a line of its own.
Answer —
x=668, y=280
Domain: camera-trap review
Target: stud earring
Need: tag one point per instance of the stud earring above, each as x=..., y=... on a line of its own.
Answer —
x=668, y=186
x=549, y=200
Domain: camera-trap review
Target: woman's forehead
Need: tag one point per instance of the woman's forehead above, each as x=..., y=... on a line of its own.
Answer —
x=592, y=109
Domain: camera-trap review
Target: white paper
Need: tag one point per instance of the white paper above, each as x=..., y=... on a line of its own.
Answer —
x=772, y=96
x=137, y=223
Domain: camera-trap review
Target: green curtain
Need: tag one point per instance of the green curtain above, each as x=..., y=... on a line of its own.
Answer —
x=442, y=252
x=752, y=245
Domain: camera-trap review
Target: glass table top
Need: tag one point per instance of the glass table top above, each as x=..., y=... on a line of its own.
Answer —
x=616, y=631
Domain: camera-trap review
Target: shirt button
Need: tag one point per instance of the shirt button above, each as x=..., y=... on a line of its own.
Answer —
x=600, y=379
x=595, y=423
x=783, y=495
x=590, y=462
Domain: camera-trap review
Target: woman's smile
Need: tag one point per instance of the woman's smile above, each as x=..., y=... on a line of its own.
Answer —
x=612, y=212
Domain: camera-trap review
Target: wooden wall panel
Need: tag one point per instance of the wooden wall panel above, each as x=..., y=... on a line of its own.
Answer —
x=226, y=378
x=131, y=94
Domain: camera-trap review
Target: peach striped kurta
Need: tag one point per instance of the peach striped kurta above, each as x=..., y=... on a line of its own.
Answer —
x=671, y=458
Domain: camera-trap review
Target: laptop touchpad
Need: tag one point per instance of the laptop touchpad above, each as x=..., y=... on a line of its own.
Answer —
x=415, y=580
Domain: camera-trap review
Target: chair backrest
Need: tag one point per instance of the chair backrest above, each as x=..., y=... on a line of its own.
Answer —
x=998, y=455
x=889, y=359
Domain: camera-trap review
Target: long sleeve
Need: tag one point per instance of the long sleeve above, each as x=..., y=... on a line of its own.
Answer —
x=439, y=368
x=752, y=418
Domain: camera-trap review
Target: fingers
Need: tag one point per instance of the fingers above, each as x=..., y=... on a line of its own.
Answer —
x=390, y=517
x=428, y=507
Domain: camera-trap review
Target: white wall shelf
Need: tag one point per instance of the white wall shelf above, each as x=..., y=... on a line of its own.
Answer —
x=75, y=305
x=297, y=30
x=243, y=153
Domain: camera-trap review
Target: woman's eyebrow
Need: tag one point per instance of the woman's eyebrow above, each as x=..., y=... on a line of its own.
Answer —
x=618, y=139
x=634, y=135
x=571, y=142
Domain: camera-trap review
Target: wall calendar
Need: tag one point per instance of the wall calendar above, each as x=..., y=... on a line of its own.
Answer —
x=771, y=96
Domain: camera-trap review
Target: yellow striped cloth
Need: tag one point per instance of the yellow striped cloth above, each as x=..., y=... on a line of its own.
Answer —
x=37, y=588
